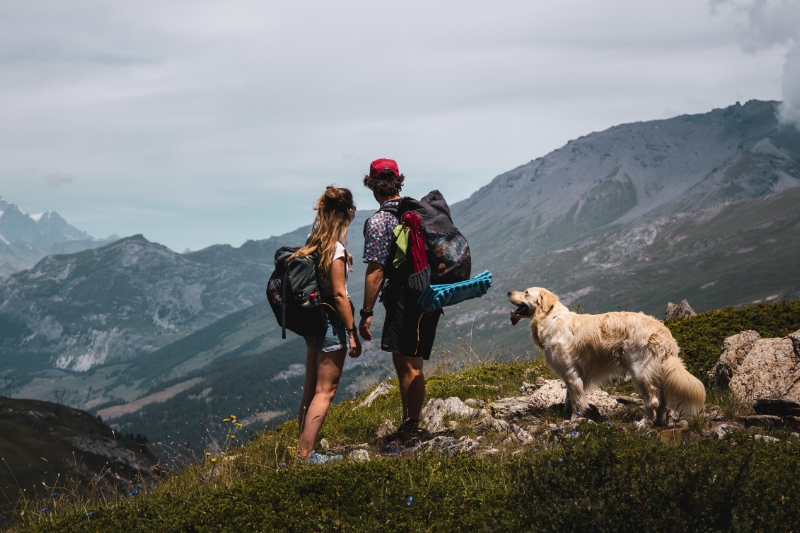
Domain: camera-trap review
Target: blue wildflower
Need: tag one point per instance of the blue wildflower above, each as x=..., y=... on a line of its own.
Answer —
x=152, y=483
x=202, y=478
x=408, y=502
x=139, y=486
x=44, y=510
x=574, y=432
x=283, y=465
x=54, y=495
x=579, y=413
x=683, y=442
x=560, y=460
x=4, y=518
x=90, y=514
x=609, y=424
x=134, y=493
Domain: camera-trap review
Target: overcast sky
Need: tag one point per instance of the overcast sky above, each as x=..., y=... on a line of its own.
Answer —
x=204, y=122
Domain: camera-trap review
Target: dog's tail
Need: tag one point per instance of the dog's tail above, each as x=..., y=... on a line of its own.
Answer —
x=684, y=392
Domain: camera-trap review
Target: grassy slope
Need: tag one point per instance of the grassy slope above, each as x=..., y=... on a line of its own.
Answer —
x=607, y=478
x=35, y=446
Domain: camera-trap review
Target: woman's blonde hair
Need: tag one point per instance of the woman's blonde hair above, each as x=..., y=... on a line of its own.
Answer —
x=329, y=227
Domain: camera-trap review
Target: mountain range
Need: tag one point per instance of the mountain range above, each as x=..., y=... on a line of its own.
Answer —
x=25, y=238
x=703, y=207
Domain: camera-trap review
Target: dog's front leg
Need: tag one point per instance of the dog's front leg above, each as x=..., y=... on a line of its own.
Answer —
x=568, y=405
x=576, y=397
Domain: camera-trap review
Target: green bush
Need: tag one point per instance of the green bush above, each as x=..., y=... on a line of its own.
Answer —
x=700, y=337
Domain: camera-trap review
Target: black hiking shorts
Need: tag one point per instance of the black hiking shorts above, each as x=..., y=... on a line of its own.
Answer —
x=408, y=329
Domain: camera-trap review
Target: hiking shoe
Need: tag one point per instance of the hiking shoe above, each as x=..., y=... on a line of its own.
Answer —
x=315, y=458
x=410, y=434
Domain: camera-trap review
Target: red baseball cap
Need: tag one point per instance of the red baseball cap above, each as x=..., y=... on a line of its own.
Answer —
x=379, y=165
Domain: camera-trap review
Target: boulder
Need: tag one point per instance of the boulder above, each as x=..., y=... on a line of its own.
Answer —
x=734, y=350
x=433, y=414
x=549, y=393
x=678, y=311
x=755, y=368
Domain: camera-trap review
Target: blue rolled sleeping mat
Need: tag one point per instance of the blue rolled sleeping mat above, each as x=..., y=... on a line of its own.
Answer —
x=438, y=296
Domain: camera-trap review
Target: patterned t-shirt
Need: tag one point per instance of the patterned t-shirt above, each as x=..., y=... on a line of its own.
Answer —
x=378, y=234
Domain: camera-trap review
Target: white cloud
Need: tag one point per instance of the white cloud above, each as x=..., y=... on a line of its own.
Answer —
x=57, y=179
x=769, y=24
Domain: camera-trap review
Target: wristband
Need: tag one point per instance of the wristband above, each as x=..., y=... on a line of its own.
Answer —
x=366, y=314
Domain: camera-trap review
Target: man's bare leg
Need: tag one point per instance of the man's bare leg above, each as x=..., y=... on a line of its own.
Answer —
x=412, y=384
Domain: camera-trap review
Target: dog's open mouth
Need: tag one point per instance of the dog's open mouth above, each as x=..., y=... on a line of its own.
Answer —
x=519, y=313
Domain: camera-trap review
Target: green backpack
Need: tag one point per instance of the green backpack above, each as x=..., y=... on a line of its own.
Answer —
x=294, y=295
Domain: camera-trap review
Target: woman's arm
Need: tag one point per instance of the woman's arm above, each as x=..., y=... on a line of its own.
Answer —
x=342, y=304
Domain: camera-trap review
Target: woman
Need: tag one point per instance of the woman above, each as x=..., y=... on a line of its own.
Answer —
x=325, y=354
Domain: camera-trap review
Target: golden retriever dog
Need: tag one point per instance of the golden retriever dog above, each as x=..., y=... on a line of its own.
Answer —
x=587, y=350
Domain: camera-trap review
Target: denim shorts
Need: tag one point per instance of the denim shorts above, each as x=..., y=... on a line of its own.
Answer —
x=336, y=337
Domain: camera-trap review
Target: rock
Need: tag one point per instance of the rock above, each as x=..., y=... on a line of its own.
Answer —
x=514, y=408
x=520, y=434
x=762, y=421
x=380, y=390
x=724, y=429
x=755, y=368
x=385, y=429
x=678, y=311
x=490, y=423
x=324, y=444
x=475, y=404
x=766, y=438
x=734, y=350
x=359, y=456
x=433, y=414
x=528, y=388
x=777, y=406
x=450, y=445
x=437, y=444
x=550, y=393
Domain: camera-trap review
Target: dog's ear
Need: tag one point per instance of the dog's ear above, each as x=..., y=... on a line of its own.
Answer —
x=546, y=301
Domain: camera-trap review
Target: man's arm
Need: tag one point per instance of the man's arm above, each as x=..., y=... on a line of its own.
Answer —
x=372, y=286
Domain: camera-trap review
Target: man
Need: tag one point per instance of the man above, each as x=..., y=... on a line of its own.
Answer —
x=408, y=332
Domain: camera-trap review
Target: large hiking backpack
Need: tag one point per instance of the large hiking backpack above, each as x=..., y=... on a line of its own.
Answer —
x=294, y=295
x=447, y=250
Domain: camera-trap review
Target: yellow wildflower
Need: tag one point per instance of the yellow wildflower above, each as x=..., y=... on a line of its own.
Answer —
x=233, y=436
x=208, y=454
x=213, y=459
x=226, y=419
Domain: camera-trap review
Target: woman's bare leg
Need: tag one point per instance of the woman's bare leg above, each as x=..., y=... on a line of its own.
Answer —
x=309, y=386
x=328, y=371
